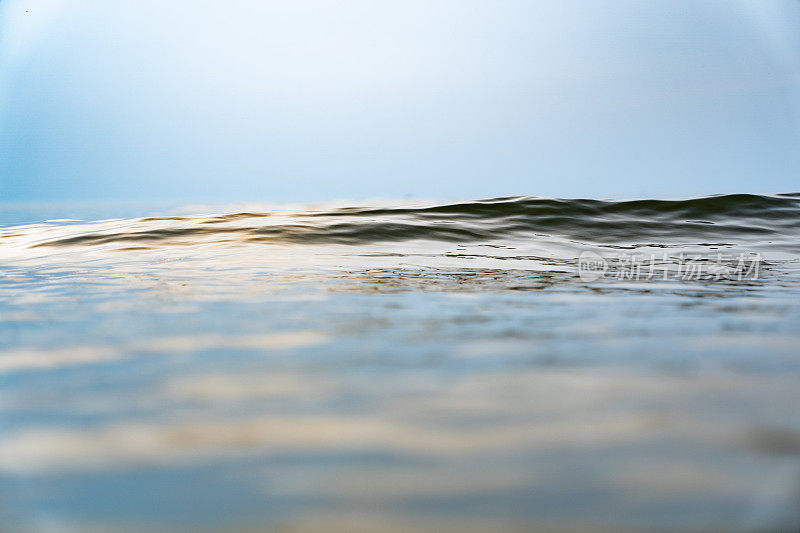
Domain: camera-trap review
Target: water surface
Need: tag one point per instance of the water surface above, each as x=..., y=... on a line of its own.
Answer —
x=402, y=366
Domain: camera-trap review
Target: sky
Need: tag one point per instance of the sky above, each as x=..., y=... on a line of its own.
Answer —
x=194, y=100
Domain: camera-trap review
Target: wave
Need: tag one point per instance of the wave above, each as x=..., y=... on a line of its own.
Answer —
x=735, y=218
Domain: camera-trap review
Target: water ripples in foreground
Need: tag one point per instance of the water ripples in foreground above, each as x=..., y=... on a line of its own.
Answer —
x=404, y=367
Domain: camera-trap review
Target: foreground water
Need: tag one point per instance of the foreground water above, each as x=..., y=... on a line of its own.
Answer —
x=403, y=367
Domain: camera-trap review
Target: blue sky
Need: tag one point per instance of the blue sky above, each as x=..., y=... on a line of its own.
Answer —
x=318, y=100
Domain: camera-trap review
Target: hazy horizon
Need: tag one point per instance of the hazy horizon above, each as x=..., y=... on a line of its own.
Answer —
x=312, y=101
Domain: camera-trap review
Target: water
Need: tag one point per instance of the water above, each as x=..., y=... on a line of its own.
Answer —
x=402, y=366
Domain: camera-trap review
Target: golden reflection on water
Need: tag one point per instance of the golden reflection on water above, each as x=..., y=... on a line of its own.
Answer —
x=643, y=439
x=210, y=384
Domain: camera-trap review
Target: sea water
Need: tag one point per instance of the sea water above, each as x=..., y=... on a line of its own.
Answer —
x=402, y=366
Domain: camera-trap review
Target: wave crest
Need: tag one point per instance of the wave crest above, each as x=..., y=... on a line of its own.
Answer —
x=737, y=218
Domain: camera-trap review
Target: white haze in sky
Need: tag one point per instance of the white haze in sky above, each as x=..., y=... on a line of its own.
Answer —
x=315, y=100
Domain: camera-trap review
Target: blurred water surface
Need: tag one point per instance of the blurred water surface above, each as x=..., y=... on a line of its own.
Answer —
x=396, y=367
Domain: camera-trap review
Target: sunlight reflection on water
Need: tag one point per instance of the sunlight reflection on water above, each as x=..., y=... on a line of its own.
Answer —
x=472, y=384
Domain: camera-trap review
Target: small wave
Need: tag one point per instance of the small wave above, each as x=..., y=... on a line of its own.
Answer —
x=736, y=218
